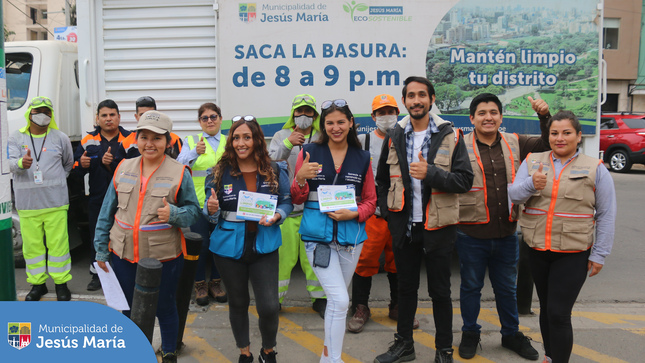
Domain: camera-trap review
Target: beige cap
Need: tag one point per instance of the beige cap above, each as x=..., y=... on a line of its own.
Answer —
x=155, y=121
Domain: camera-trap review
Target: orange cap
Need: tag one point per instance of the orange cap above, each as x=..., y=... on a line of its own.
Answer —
x=384, y=100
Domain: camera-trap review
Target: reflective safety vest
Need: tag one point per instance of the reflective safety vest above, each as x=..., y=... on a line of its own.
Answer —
x=442, y=209
x=202, y=166
x=137, y=232
x=561, y=216
x=473, y=205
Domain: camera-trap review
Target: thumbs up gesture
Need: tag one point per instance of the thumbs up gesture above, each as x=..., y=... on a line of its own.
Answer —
x=308, y=170
x=212, y=203
x=539, y=178
x=164, y=213
x=108, y=157
x=27, y=160
x=540, y=106
x=85, y=160
x=201, y=146
x=419, y=169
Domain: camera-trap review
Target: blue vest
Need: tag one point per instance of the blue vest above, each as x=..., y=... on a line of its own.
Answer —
x=227, y=240
x=317, y=226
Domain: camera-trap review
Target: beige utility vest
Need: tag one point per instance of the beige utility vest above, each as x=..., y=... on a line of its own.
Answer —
x=473, y=208
x=137, y=232
x=443, y=208
x=561, y=217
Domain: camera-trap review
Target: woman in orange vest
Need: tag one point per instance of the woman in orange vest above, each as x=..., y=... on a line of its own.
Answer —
x=151, y=198
x=569, y=201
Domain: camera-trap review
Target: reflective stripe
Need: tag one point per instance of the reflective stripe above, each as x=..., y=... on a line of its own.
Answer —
x=38, y=270
x=91, y=142
x=155, y=227
x=283, y=283
x=122, y=224
x=59, y=258
x=572, y=215
x=534, y=212
x=230, y=216
x=46, y=183
x=476, y=189
x=313, y=283
x=129, y=181
x=313, y=197
x=282, y=294
x=317, y=294
x=66, y=268
x=200, y=173
x=443, y=152
x=32, y=261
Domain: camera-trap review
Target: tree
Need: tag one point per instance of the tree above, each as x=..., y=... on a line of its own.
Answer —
x=8, y=33
x=448, y=96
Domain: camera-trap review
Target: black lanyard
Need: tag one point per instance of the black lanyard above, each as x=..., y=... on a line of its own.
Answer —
x=38, y=155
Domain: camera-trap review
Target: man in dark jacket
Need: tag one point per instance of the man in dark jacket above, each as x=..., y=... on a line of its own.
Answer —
x=423, y=164
x=94, y=156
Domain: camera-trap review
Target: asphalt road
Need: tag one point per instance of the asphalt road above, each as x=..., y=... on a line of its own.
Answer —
x=609, y=318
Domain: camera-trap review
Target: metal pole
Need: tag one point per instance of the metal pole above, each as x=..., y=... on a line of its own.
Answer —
x=186, y=281
x=7, y=272
x=146, y=295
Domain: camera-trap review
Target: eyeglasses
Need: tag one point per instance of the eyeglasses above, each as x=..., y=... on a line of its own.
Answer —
x=339, y=103
x=211, y=117
x=39, y=101
x=306, y=99
x=245, y=118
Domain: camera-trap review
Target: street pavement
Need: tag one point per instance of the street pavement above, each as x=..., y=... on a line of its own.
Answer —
x=608, y=320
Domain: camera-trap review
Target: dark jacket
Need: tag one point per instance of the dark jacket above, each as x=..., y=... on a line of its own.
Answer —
x=458, y=180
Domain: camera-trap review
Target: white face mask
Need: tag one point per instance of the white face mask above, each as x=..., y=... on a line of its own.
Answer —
x=41, y=119
x=386, y=122
x=303, y=121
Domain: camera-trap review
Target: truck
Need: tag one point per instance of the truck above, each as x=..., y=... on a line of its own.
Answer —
x=252, y=58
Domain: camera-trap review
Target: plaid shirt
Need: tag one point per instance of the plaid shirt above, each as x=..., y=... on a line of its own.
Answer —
x=409, y=147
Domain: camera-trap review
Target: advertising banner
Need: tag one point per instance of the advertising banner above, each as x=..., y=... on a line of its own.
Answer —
x=270, y=51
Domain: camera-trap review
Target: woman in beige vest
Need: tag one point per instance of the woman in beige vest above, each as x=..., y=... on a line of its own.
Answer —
x=568, y=221
x=151, y=197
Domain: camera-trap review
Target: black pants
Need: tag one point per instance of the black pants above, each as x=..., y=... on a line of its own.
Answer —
x=437, y=256
x=263, y=274
x=558, y=279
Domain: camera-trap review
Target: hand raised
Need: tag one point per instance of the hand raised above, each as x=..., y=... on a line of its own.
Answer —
x=212, y=203
x=85, y=160
x=419, y=169
x=539, y=178
x=164, y=213
x=200, y=148
x=108, y=157
x=27, y=160
x=308, y=170
x=539, y=105
x=297, y=137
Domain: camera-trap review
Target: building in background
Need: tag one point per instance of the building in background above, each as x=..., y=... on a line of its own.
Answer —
x=33, y=19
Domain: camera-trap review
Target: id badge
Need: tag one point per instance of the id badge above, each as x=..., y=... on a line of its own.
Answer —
x=38, y=177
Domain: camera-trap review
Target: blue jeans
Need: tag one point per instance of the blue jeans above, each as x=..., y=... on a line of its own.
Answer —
x=500, y=256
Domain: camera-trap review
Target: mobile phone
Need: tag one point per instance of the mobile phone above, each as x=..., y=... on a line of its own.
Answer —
x=322, y=255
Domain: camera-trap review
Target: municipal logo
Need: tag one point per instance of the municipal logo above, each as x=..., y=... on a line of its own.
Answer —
x=247, y=12
x=228, y=188
x=19, y=334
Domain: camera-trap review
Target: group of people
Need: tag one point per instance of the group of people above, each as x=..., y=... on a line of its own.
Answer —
x=421, y=189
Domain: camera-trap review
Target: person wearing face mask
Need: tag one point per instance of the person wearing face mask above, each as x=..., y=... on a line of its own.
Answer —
x=40, y=158
x=384, y=113
x=301, y=128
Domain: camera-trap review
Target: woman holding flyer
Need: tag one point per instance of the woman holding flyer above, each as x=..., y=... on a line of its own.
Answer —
x=334, y=166
x=245, y=245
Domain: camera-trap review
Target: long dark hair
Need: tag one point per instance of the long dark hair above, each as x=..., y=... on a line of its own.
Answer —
x=260, y=153
x=352, y=136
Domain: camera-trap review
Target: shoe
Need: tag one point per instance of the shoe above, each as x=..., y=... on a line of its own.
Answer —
x=443, y=356
x=95, y=283
x=267, y=357
x=169, y=357
x=399, y=351
x=394, y=315
x=37, y=291
x=201, y=293
x=63, y=293
x=216, y=291
x=468, y=345
x=320, y=305
x=520, y=344
x=245, y=358
x=361, y=316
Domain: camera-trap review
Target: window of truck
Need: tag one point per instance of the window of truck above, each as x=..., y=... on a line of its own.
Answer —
x=18, y=67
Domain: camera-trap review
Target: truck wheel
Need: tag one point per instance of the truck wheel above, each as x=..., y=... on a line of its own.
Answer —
x=619, y=161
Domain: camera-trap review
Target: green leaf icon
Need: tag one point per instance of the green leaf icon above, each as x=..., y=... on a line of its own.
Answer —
x=361, y=7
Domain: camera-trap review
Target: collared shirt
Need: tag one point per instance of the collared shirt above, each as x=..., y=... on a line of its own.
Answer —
x=412, y=154
x=187, y=156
